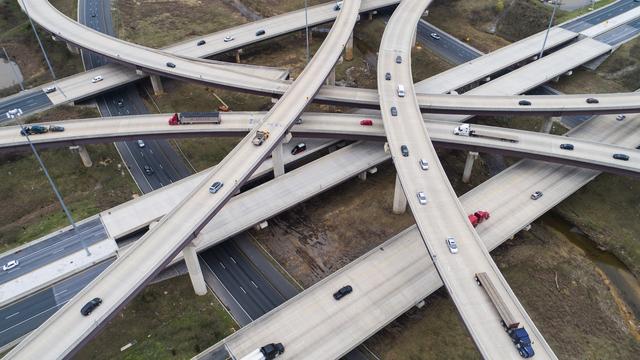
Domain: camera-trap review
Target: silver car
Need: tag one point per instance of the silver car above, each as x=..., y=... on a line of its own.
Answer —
x=215, y=187
x=424, y=164
x=536, y=195
x=452, y=244
x=422, y=198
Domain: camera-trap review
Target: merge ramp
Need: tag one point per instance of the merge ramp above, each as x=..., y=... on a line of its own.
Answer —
x=65, y=332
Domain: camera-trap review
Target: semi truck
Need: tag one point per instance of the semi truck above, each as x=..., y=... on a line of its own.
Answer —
x=466, y=130
x=518, y=335
x=39, y=129
x=478, y=217
x=260, y=137
x=185, y=118
x=267, y=352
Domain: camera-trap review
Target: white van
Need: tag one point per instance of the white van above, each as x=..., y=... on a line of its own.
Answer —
x=400, y=90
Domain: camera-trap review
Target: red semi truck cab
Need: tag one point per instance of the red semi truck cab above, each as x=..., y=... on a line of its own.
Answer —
x=478, y=217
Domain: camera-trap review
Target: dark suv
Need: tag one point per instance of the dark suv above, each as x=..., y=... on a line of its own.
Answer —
x=344, y=291
x=404, y=150
x=90, y=306
x=566, y=146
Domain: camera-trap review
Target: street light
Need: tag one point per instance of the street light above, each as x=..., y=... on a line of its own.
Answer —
x=546, y=35
x=17, y=113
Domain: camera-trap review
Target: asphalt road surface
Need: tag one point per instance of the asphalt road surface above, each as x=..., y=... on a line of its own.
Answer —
x=30, y=100
x=600, y=15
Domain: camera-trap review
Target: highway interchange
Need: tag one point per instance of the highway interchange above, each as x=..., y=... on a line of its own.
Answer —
x=507, y=107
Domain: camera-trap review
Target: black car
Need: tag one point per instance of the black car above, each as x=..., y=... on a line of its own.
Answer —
x=90, y=306
x=621, y=157
x=566, y=146
x=344, y=291
x=524, y=103
x=148, y=170
x=592, y=101
x=298, y=149
x=387, y=76
x=260, y=32
x=405, y=150
x=398, y=59
x=201, y=42
x=394, y=111
x=171, y=65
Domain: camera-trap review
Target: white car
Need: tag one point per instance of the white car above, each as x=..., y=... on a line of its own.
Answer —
x=452, y=245
x=228, y=38
x=97, y=79
x=10, y=265
x=422, y=198
x=49, y=89
x=424, y=164
x=435, y=36
x=141, y=144
x=620, y=117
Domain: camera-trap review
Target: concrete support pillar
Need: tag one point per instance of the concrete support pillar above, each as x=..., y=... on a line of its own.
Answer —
x=399, y=199
x=468, y=166
x=195, y=272
x=73, y=49
x=414, y=40
x=238, y=52
x=331, y=79
x=547, y=125
x=348, y=49
x=370, y=15
x=84, y=156
x=156, y=84
x=277, y=157
x=362, y=176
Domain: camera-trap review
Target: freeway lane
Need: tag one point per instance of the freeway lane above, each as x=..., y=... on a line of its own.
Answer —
x=600, y=15
x=158, y=246
x=436, y=209
x=28, y=101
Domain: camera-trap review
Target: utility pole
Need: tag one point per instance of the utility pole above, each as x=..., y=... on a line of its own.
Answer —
x=546, y=35
x=306, y=29
x=17, y=113
x=24, y=6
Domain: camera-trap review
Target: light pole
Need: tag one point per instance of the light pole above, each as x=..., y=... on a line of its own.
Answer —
x=16, y=113
x=24, y=6
x=13, y=69
x=546, y=35
x=306, y=28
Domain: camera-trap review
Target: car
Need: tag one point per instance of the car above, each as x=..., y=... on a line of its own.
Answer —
x=344, y=291
x=171, y=65
x=200, y=43
x=621, y=117
x=298, y=149
x=422, y=198
x=424, y=164
x=398, y=59
x=387, y=76
x=260, y=32
x=401, y=91
x=338, y=6
x=90, y=306
x=120, y=103
x=215, y=187
x=435, y=36
x=93, y=14
x=141, y=144
x=49, y=89
x=524, y=103
x=404, y=150
x=148, y=170
x=10, y=265
x=56, y=128
x=566, y=146
x=394, y=111
x=97, y=79
x=623, y=157
x=298, y=121
x=536, y=195
x=452, y=244
x=366, y=122
x=592, y=101
x=230, y=38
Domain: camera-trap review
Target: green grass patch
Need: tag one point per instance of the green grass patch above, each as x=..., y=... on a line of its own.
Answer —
x=166, y=321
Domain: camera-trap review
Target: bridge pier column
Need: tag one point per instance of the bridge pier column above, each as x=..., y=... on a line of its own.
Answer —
x=238, y=52
x=468, y=166
x=399, y=199
x=547, y=125
x=156, y=84
x=73, y=49
x=195, y=271
x=362, y=176
x=84, y=156
x=277, y=157
x=331, y=79
x=348, y=49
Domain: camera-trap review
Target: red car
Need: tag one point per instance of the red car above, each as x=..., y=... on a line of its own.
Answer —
x=366, y=122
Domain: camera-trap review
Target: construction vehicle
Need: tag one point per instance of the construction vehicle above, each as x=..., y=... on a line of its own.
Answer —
x=478, y=217
x=267, y=352
x=40, y=129
x=466, y=130
x=261, y=136
x=223, y=107
x=185, y=118
x=518, y=334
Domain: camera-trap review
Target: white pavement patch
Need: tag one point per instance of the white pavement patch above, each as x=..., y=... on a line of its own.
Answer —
x=55, y=271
